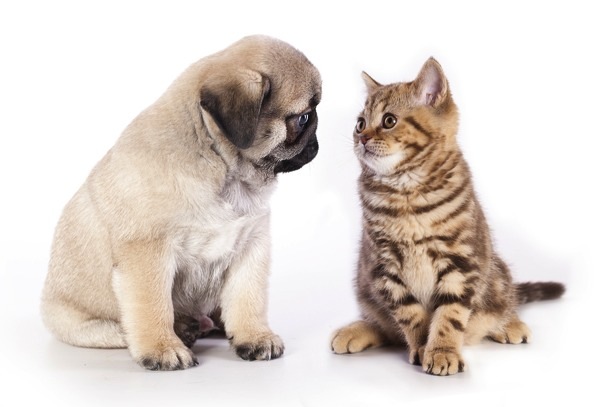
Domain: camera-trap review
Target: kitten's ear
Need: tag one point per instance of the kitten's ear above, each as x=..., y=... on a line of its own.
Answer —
x=431, y=85
x=372, y=84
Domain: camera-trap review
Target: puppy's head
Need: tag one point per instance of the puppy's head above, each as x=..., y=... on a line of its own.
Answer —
x=262, y=94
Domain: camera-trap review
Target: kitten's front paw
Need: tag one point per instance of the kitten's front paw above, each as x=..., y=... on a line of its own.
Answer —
x=415, y=356
x=265, y=346
x=442, y=361
x=171, y=356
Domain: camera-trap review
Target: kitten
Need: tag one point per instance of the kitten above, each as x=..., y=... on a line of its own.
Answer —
x=428, y=276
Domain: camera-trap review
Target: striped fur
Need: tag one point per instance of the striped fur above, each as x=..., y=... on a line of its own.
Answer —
x=428, y=275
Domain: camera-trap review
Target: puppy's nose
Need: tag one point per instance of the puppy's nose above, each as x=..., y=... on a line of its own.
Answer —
x=363, y=138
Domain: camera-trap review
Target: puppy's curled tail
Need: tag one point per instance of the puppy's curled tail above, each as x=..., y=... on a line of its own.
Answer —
x=547, y=290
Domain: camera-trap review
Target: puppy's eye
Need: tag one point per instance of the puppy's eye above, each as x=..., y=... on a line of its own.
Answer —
x=389, y=121
x=297, y=125
x=302, y=120
x=360, y=125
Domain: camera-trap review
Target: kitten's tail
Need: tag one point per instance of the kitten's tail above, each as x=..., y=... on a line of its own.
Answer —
x=548, y=290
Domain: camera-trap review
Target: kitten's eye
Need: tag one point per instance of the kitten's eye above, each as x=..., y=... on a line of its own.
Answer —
x=360, y=125
x=302, y=120
x=389, y=121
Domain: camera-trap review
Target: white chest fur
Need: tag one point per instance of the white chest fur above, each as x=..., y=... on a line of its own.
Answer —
x=418, y=271
x=418, y=274
x=222, y=226
x=208, y=241
x=247, y=199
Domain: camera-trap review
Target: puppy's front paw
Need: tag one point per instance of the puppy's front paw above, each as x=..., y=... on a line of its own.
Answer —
x=442, y=361
x=173, y=356
x=265, y=346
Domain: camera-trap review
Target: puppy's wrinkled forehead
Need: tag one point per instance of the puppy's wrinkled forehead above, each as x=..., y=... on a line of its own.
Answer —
x=295, y=84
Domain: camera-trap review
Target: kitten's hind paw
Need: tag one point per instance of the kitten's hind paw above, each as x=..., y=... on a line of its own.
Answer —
x=356, y=337
x=514, y=332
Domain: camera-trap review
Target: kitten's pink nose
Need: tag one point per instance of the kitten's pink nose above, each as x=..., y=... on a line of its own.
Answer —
x=363, y=138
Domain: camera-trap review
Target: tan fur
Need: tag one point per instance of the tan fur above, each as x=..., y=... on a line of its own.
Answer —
x=356, y=337
x=427, y=272
x=172, y=224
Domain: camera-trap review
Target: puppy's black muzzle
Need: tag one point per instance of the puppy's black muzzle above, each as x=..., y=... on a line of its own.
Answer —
x=305, y=156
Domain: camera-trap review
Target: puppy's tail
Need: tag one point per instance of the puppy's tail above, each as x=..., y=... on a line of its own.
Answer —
x=547, y=290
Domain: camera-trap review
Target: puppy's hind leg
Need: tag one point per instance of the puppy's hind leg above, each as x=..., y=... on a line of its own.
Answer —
x=78, y=328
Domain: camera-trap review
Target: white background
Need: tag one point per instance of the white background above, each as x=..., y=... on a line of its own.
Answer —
x=525, y=77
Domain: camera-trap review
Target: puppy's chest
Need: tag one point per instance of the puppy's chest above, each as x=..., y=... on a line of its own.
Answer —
x=245, y=198
x=209, y=242
x=223, y=225
x=203, y=254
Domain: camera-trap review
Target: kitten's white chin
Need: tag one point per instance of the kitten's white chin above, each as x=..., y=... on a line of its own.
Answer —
x=382, y=165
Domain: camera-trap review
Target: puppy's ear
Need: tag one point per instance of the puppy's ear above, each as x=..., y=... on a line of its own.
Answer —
x=234, y=102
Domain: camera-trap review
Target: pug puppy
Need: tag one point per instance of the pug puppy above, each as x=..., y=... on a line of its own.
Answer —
x=172, y=226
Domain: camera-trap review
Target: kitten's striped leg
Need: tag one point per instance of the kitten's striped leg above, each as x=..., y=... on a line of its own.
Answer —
x=413, y=320
x=452, y=311
x=411, y=317
x=442, y=353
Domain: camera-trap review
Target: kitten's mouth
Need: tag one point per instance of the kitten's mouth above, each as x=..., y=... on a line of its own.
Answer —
x=371, y=153
x=379, y=161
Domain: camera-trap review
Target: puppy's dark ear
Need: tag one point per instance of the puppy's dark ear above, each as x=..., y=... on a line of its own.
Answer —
x=234, y=102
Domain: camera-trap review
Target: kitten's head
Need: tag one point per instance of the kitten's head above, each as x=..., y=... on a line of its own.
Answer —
x=404, y=123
